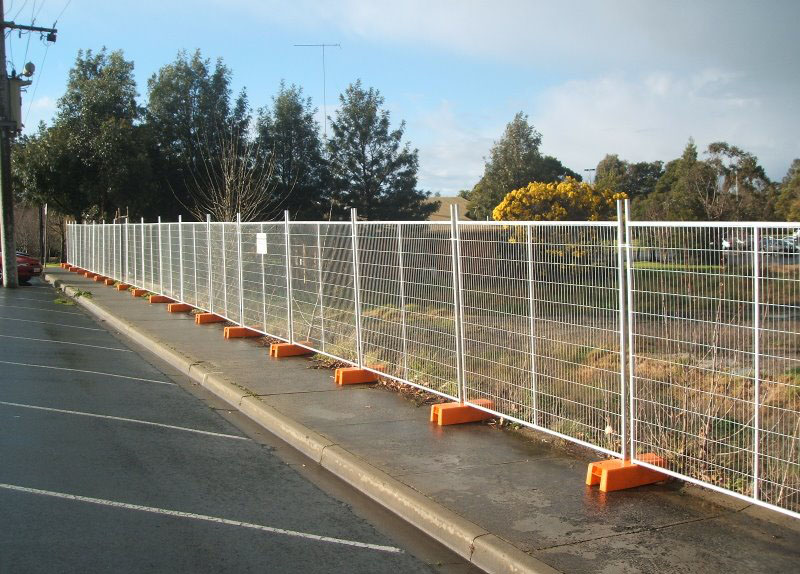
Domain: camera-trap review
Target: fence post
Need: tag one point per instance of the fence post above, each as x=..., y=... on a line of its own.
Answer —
x=196, y=300
x=127, y=253
x=356, y=287
x=756, y=360
x=629, y=441
x=532, y=326
x=455, y=252
x=622, y=267
x=144, y=275
x=180, y=254
x=319, y=281
x=210, y=269
x=224, y=275
x=94, y=247
x=288, y=244
x=263, y=287
x=160, y=260
x=403, y=319
x=241, y=270
x=169, y=259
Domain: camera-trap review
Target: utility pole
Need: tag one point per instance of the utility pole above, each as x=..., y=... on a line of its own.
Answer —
x=324, y=81
x=10, y=122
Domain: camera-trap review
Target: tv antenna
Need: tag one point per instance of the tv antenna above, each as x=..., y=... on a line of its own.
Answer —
x=324, y=89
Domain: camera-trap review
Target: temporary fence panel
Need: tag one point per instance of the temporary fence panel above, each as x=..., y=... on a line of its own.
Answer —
x=541, y=326
x=715, y=328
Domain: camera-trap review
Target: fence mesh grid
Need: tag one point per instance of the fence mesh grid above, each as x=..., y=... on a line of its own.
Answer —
x=534, y=317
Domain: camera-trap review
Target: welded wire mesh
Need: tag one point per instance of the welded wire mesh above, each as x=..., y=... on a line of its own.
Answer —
x=541, y=326
x=715, y=348
x=253, y=278
x=428, y=307
x=529, y=316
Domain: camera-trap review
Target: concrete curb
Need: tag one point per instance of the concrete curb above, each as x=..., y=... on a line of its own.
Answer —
x=482, y=548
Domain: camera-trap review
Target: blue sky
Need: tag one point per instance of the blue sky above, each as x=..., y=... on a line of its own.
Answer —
x=636, y=78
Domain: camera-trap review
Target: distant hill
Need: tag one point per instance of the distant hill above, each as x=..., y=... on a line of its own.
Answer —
x=443, y=214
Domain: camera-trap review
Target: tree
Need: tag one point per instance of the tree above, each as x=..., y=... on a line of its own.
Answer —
x=729, y=186
x=288, y=136
x=568, y=200
x=93, y=159
x=191, y=121
x=788, y=204
x=633, y=179
x=514, y=162
x=370, y=168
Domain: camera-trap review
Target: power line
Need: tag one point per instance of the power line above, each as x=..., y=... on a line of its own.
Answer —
x=36, y=87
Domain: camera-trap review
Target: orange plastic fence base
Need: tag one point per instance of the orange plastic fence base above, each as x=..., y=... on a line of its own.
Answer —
x=64, y=266
x=287, y=350
x=99, y=278
x=160, y=299
x=619, y=474
x=355, y=376
x=89, y=274
x=240, y=333
x=179, y=308
x=203, y=318
x=76, y=270
x=109, y=282
x=457, y=413
x=138, y=292
x=123, y=287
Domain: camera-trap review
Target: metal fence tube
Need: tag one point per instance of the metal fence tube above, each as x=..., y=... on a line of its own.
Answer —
x=630, y=439
x=320, y=290
x=241, y=277
x=210, y=269
x=180, y=255
x=403, y=318
x=160, y=260
x=532, y=326
x=455, y=254
x=622, y=319
x=224, y=275
x=357, y=288
x=756, y=360
x=289, y=317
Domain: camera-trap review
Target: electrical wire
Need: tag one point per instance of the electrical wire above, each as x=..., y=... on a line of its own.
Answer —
x=64, y=9
x=36, y=86
x=21, y=8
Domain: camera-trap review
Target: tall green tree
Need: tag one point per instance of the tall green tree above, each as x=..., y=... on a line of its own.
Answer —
x=370, y=168
x=728, y=186
x=632, y=179
x=514, y=162
x=191, y=117
x=93, y=159
x=788, y=204
x=288, y=138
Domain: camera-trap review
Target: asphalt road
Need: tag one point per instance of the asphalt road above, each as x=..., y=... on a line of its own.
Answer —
x=110, y=462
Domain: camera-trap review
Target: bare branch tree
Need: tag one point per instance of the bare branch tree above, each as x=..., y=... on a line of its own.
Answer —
x=234, y=176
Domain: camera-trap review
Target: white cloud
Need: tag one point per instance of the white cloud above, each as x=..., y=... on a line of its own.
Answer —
x=653, y=116
x=452, y=152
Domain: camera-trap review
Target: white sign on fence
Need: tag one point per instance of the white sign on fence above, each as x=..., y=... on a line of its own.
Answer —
x=261, y=243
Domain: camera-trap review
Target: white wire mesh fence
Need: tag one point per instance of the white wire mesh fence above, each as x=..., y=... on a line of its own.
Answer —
x=675, y=339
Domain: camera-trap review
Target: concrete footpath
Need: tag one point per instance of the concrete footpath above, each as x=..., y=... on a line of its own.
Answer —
x=507, y=501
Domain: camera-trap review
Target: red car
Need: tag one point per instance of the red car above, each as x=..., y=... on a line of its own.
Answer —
x=27, y=267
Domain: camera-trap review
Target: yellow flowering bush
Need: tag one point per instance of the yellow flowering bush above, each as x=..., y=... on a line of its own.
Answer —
x=568, y=200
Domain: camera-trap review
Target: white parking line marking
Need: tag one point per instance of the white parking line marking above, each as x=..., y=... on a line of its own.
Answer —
x=203, y=517
x=67, y=343
x=89, y=372
x=46, y=310
x=49, y=323
x=123, y=419
x=46, y=299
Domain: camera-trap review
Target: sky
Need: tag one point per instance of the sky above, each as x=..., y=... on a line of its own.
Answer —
x=635, y=78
